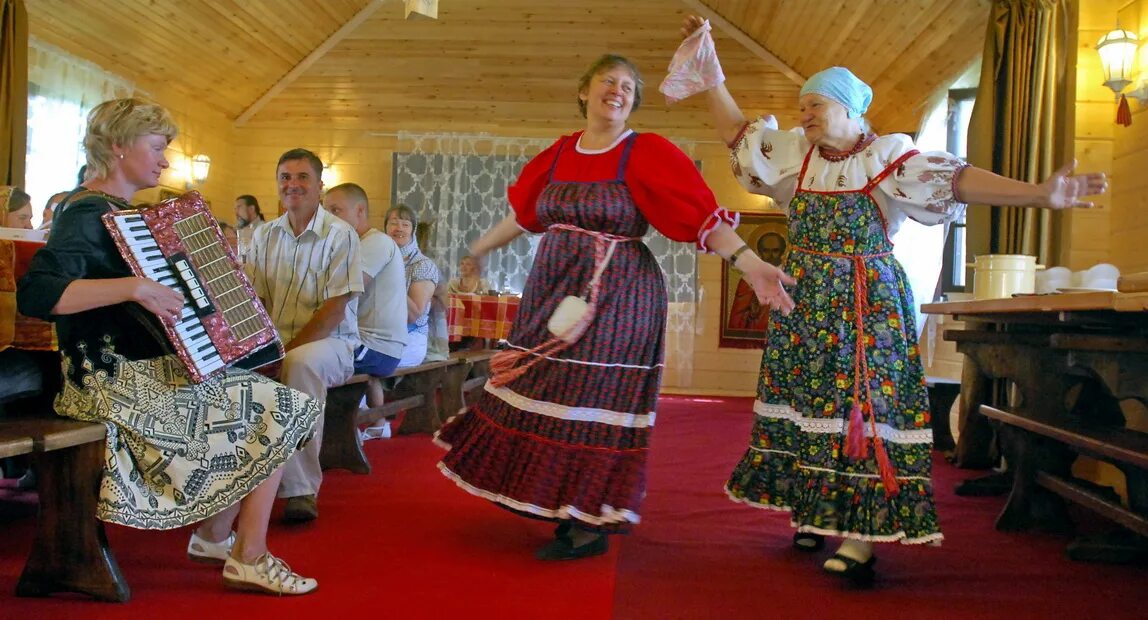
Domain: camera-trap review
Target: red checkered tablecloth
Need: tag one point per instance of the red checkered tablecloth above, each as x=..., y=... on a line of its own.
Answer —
x=481, y=316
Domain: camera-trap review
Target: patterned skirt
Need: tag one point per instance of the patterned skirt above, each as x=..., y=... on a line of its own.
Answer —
x=796, y=460
x=179, y=452
x=569, y=438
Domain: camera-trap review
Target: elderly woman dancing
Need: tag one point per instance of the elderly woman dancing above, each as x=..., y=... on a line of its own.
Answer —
x=841, y=438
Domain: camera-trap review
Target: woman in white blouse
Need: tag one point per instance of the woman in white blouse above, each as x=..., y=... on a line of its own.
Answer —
x=841, y=438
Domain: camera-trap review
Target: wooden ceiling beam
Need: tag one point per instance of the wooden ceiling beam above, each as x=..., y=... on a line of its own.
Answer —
x=747, y=41
x=311, y=59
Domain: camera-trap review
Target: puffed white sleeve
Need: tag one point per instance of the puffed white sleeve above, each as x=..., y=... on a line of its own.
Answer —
x=923, y=186
x=767, y=161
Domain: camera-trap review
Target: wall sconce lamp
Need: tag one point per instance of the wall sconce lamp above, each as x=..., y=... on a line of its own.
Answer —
x=200, y=167
x=1117, y=51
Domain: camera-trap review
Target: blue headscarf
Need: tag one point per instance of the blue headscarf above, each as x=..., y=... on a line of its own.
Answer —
x=840, y=85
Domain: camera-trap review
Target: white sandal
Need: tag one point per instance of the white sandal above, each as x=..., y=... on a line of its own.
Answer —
x=268, y=575
x=206, y=552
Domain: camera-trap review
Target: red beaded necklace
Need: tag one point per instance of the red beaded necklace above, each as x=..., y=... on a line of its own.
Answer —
x=834, y=155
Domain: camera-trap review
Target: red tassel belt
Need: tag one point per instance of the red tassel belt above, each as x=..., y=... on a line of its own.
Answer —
x=855, y=446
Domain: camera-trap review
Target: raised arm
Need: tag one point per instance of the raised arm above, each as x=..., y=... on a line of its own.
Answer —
x=728, y=117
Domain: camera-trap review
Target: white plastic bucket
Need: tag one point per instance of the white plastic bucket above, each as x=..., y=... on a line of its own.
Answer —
x=996, y=276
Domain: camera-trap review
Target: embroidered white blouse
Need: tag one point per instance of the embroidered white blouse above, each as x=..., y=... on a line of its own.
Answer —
x=767, y=161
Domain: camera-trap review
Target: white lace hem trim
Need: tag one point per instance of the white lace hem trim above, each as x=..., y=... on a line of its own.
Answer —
x=609, y=516
x=902, y=537
x=564, y=412
x=836, y=426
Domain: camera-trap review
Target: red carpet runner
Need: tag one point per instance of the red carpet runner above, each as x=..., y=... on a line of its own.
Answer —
x=404, y=543
x=401, y=543
x=698, y=555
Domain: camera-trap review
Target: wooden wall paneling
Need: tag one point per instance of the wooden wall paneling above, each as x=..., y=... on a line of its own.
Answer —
x=839, y=36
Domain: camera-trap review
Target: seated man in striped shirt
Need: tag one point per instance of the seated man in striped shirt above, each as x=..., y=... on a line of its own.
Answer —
x=306, y=268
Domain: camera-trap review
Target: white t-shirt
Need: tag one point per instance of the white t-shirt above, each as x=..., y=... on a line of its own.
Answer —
x=383, y=306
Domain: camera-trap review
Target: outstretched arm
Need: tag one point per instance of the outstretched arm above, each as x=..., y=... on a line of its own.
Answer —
x=767, y=281
x=1063, y=190
x=501, y=234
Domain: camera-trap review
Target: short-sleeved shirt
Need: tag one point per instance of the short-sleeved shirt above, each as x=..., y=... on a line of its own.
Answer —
x=295, y=275
x=664, y=183
x=767, y=161
x=382, y=308
x=419, y=268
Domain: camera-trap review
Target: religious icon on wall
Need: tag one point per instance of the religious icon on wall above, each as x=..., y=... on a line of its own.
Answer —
x=743, y=318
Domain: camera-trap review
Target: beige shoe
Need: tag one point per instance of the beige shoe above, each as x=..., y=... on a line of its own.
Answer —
x=207, y=552
x=268, y=575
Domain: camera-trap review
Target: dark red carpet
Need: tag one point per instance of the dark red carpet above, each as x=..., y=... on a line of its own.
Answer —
x=405, y=543
x=401, y=543
x=698, y=555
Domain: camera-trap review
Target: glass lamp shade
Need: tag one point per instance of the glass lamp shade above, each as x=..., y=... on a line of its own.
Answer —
x=200, y=166
x=1117, y=51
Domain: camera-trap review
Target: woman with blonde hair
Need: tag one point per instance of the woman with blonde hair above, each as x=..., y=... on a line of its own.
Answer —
x=171, y=443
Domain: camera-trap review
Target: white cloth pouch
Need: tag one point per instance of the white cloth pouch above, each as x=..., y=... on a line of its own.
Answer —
x=569, y=313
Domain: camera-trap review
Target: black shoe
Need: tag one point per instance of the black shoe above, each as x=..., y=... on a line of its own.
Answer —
x=301, y=509
x=564, y=549
x=860, y=573
x=808, y=541
x=986, y=486
x=563, y=529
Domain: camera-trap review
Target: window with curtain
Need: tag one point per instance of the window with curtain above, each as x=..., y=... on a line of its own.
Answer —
x=456, y=183
x=960, y=110
x=62, y=89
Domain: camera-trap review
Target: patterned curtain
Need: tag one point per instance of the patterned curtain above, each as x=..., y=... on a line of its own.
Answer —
x=456, y=183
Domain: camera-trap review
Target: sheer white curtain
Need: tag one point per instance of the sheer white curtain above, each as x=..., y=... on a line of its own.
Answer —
x=920, y=248
x=61, y=91
x=456, y=183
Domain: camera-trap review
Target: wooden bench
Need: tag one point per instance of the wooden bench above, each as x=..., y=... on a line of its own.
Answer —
x=429, y=394
x=70, y=552
x=1041, y=452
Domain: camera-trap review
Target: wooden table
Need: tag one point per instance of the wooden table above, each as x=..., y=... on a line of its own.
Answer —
x=481, y=316
x=1053, y=368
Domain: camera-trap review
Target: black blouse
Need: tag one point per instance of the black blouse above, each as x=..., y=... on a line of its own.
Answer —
x=80, y=247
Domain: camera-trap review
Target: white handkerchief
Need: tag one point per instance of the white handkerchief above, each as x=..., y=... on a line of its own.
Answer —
x=694, y=67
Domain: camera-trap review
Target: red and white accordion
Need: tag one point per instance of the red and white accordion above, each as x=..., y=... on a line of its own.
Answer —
x=180, y=245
